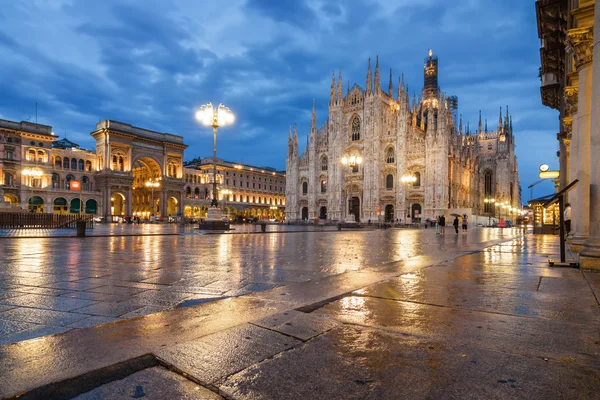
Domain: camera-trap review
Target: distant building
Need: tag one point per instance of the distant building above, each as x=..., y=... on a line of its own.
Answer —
x=37, y=168
x=454, y=169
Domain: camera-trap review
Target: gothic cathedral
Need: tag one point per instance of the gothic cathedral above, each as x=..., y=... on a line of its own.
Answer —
x=379, y=157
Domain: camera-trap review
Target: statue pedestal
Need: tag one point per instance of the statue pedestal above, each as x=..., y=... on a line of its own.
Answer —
x=350, y=219
x=214, y=221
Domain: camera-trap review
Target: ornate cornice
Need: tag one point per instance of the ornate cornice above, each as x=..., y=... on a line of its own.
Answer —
x=571, y=93
x=580, y=43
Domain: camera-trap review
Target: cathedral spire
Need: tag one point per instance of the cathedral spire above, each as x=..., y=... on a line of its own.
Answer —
x=340, y=93
x=511, y=131
x=506, y=119
x=313, y=124
x=480, y=128
x=369, y=85
x=332, y=98
x=486, y=128
x=500, y=119
x=391, y=85
x=460, y=125
x=377, y=87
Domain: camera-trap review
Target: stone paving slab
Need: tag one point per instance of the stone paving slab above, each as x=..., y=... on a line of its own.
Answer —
x=524, y=336
x=38, y=316
x=237, y=349
x=32, y=333
x=156, y=383
x=363, y=363
x=47, y=302
x=298, y=324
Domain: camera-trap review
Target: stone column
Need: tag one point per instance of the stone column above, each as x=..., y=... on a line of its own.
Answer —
x=580, y=40
x=590, y=255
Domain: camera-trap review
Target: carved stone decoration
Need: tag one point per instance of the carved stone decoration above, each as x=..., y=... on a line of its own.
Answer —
x=580, y=43
x=571, y=95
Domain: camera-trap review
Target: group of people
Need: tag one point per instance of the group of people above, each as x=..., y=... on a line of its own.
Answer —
x=440, y=224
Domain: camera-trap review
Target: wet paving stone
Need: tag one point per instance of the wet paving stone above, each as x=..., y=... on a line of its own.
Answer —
x=130, y=276
x=363, y=363
x=47, y=302
x=109, y=309
x=39, y=316
x=8, y=327
x=32, y=333
x=153, y=384
x=92, y=321
x=221, y=354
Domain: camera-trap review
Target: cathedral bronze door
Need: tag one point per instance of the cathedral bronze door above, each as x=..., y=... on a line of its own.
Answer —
x=304, y=213
x=354, y=206
x=389, y=213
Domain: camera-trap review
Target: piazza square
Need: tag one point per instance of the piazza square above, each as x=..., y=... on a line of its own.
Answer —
x=300, y=200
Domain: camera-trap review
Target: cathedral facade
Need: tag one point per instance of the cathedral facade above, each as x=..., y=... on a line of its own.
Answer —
x=380, y=156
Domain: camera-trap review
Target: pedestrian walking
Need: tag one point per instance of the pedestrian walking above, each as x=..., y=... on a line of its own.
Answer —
x=465, y=224
x=442, y=225
x=437, y=225
x=455, y=223
x=567, y=217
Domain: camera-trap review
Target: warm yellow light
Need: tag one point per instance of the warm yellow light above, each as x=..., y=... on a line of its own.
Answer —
x=344, y=160
x=549, y=174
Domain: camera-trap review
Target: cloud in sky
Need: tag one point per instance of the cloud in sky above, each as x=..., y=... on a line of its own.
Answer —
x=152, y=63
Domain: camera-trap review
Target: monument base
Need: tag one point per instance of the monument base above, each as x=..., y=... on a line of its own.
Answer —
x=214, y=221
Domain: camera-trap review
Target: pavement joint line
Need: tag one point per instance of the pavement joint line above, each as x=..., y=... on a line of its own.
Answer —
x=591, y=288
x=175, y=369
x=71, y=387
x=458, y=308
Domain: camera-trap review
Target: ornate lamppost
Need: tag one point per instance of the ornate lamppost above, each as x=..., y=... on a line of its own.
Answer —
x=352, y=162
x=152, y=185
x=408, y=179
x=216, y=117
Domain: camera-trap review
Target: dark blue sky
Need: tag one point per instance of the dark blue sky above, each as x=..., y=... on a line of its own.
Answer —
x=151, y=63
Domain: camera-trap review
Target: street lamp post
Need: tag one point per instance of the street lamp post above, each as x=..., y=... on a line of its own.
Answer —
x=406, y=179
x=351, y=161
x=32, y=173
x=490, y=202
x=210, y=116
x=215, y=117
x=152, y=185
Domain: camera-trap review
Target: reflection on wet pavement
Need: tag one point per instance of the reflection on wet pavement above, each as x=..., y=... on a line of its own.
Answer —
x=57, y=284
x=329, y=315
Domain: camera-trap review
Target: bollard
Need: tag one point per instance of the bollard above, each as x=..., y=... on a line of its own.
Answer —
x=80, y=228
x=263, y=227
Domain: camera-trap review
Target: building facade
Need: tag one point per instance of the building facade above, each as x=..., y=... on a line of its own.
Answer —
x=132, y=172
x=454, y=168
x=245, y=191
x=570, y=84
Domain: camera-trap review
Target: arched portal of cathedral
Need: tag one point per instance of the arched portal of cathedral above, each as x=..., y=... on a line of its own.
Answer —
x=416, y=212
x=389, y=213
x=304, y=213
x=323, y=212
x=354, y=207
